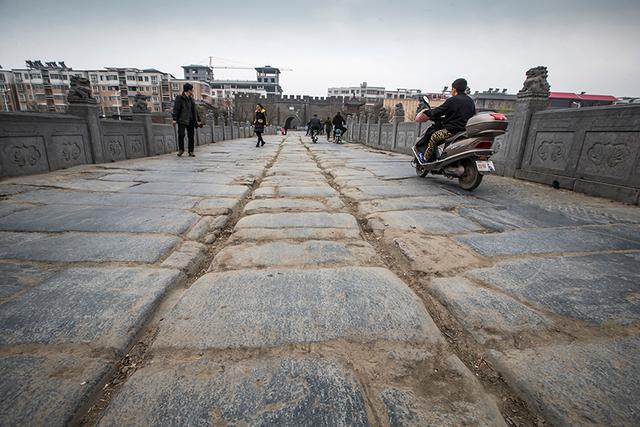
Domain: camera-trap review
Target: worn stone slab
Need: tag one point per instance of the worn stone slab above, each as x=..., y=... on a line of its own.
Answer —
x=388, y=191
x=47, y=388
x=283, y=204
x=275, y=307
x=290, y=181
x=103, y=306
x=16, y=277
x=70, y=247
x=294, y=254
x=61, y=197
x=594, y=383
x=598, y=214
x=264, y=192
x=315, y=191
x=501, y=218
x=486, y=314
x=54, y=218
x=206, y=225
x=429, y=221
x=7, y=208
x=188, y=258
x=442, y=406
x=540, y=241
x=431, y=254
x=415, y=203
x=334, y=234
x=10, y=189
x=90, y=185
x=191, y=189
x=300, y=392
x=597, y=288
x=294, y=220
x=172, y=176
x=299, y=169
x=217, y=206
x=623, y=231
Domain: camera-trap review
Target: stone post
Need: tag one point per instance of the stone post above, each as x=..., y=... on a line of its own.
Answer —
x=141, y=113
x=83, y=104
x=356, y=128
x=533, y=97
x=367, y=128
x=219, y=120
x=382, y=118
x=147, y=123
x=398, y=117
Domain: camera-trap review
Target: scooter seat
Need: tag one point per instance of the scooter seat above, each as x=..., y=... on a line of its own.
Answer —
x=455, y=137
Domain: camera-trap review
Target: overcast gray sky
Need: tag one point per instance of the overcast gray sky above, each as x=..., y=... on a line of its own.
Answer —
x=588, y=45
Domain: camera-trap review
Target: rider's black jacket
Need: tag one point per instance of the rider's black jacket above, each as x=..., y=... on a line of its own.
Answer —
x=338, y=121
x=315, y=123
x=456, y=111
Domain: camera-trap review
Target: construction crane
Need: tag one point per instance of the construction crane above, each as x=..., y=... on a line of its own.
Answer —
x=247, y=68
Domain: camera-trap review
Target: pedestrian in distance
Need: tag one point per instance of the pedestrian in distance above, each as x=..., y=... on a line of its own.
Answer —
x=259, y=122
x=186, y=117
x=328, y=127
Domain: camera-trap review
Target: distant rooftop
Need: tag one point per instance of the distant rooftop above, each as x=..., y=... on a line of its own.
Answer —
x=195, y=66
x=268, y=69
x=581, y=96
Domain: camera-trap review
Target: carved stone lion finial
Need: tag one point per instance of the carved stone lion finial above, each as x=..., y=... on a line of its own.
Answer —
x=536, y=84
x=383, y=115
x=399, y=110
x=140, y=104
x=80, y=91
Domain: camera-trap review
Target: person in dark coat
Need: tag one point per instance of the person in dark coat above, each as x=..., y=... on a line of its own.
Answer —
x=338, y=122
x=185, y=115
x=259, y=122
x=328, y=127
x=315, y=125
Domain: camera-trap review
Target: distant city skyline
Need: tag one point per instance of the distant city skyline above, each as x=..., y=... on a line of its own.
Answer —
x=587, y=45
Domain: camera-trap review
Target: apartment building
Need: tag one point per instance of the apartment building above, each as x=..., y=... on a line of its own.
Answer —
x=42, y=87
x=115, y=88
x=202, y=93
x=371, y=94
x=7, y=91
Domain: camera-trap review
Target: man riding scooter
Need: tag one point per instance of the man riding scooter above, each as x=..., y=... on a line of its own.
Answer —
x=454, y=112
x=315, y=125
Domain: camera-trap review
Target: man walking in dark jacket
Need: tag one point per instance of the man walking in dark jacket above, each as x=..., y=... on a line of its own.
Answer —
x=186, y=116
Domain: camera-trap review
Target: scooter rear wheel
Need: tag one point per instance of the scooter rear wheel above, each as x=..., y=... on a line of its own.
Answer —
x=472, y=177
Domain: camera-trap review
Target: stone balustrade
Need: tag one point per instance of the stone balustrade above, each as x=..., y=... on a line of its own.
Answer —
x=41, y=142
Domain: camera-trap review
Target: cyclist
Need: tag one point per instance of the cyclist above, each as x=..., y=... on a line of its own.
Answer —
x=338, y=123
x=315, y=125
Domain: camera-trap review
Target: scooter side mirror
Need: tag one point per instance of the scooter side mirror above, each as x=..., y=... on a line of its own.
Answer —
x=425, y=100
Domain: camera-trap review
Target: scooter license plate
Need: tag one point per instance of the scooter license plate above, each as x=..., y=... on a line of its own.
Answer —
x=485, y=166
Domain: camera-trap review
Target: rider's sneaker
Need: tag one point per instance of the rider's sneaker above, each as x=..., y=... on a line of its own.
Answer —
x=421, y=157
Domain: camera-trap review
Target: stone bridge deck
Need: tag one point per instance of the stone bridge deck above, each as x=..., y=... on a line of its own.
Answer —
x=312, y=284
